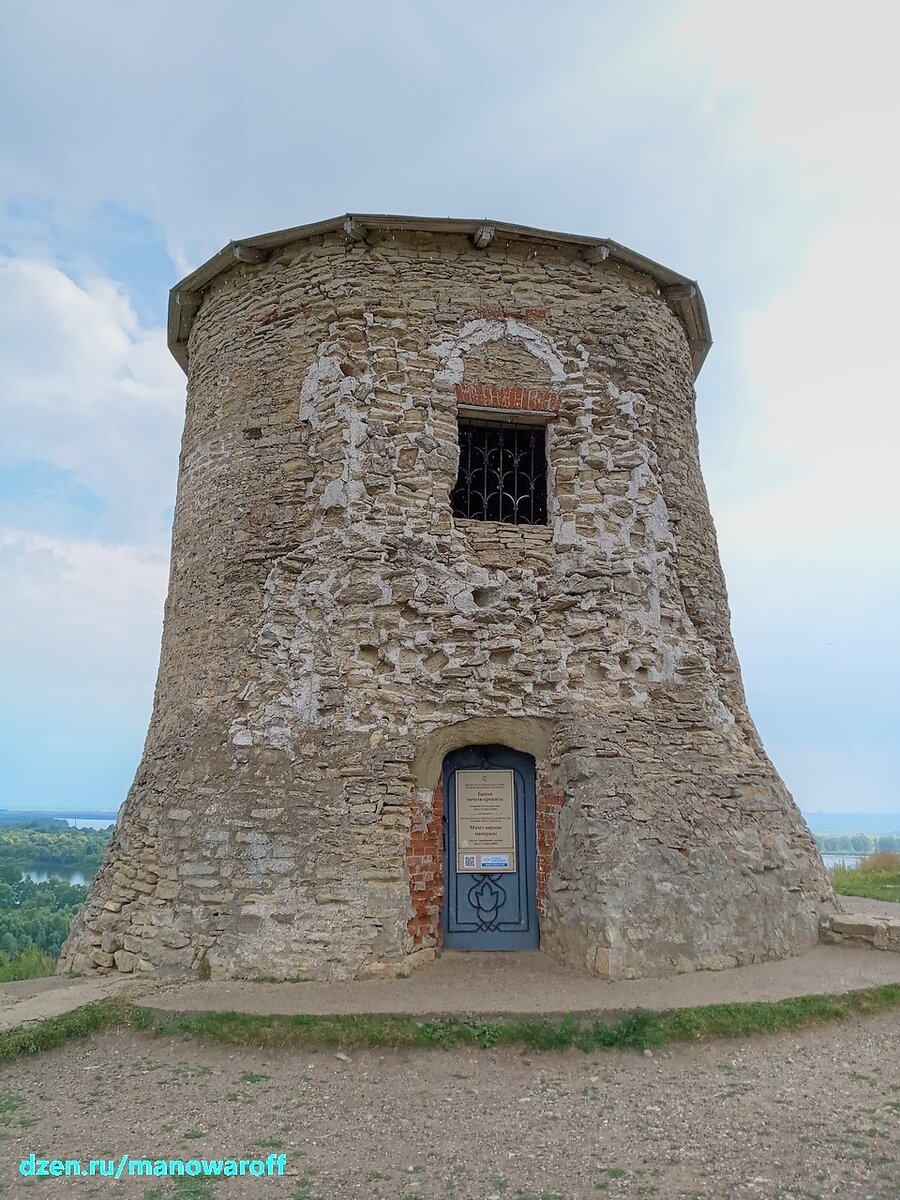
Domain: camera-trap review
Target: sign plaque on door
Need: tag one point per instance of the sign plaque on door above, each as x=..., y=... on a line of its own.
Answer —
x=485, y=821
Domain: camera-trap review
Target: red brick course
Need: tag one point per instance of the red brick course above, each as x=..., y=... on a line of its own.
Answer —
x=493, y=395
x=549, y=802
x=425, y=860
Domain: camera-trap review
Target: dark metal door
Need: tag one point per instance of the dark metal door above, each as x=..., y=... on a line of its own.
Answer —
x=490, y=855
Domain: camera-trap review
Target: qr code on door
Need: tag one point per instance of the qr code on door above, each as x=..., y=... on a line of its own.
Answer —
x=468, y=860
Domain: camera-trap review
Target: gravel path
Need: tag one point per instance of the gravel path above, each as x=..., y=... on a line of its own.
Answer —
x=870, y=908
x=533, y=983
x=810, y=1115
x=485, y=984
x=23, y=1001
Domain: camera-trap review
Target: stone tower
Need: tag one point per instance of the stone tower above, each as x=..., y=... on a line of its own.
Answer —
x=447, y=657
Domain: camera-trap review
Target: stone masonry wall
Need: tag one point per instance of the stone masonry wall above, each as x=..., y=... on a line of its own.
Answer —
x=329, y=623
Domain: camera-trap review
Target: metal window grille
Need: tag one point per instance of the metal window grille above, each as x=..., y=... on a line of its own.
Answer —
x=502, y=474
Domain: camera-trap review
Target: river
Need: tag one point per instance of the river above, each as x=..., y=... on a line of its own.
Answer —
x=41, y=875
x=841, y=860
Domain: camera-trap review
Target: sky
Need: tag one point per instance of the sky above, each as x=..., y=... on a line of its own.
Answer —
x=752, y=147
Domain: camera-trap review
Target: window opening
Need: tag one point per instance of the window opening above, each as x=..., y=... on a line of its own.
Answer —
x=502, y=473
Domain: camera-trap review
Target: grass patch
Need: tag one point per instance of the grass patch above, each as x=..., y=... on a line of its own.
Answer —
x=9, y=1104
x=56, y=1031
x=876, y=878
x=28, y=964
x=643, y=1030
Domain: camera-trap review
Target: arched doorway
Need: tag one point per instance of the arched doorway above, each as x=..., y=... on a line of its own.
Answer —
x=490, y=899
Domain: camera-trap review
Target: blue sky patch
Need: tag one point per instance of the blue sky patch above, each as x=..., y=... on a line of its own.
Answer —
x=112, y=241
x=41, y=498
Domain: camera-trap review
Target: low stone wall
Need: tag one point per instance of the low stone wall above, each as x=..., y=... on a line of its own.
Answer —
x=853, y=929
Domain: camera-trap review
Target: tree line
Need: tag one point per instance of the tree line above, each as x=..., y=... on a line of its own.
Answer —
x=35, y=916
x=63, y=849
x=857, y=843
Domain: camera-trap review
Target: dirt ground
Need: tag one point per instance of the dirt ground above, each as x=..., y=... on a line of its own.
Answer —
x=811, y=1114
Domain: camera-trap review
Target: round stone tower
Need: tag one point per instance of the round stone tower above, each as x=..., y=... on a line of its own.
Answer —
x=447, y=657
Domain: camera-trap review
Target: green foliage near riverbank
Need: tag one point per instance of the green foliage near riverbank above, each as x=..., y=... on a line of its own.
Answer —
x=24, y=821
x=876, y=878
x=34, y=922
x=29, y=964
x=35, y=917
x=52, y=850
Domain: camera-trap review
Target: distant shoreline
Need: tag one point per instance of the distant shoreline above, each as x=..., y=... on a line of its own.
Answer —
x=875, y=824
x=59, y=815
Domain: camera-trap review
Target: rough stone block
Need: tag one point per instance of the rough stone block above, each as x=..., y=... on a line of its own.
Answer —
x=855, y=925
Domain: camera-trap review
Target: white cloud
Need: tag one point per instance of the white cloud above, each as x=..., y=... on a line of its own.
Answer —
x=816, y=81
x=79, y=643
x=809, y=538
x=823, y=441
x=812, y=486
x=84, y=387
x=79, y=621
x=80, y=587
x=754, y=147
x=592, y=116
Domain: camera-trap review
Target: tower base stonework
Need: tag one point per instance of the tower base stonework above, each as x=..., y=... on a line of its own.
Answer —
x=333, y=631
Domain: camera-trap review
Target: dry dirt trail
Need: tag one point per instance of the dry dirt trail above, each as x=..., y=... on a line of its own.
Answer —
x=810, y=1114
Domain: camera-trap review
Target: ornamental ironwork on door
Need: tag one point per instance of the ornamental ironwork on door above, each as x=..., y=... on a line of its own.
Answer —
x=502, y=474
x=490, y=856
